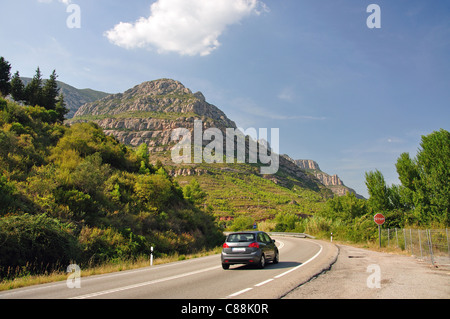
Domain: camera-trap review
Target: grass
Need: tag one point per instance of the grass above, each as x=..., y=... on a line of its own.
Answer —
x=116, y=266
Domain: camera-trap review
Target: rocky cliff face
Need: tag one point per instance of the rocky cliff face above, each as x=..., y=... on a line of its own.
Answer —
x=329, y=180
x=150, y=111
x=333, y=182
x=307, y=164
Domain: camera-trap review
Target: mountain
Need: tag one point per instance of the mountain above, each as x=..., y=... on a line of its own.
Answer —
x=149, y=112
x=74, y=97
x=333, y=182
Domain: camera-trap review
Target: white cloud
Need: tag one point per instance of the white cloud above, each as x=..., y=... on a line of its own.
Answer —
x=287, y=94
x=66, y=2
x=187, y=27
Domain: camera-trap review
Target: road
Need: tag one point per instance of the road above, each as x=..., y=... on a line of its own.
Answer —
x=201, y=278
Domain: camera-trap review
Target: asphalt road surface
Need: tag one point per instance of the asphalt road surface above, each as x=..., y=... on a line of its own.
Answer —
x=201, y=278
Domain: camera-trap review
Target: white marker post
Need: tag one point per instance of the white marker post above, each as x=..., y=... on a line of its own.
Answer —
x=151, y=256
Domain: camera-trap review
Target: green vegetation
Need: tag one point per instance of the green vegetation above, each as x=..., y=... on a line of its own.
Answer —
x=238, y=189
x=421, y=200
x=73, y=194
x=136, y=114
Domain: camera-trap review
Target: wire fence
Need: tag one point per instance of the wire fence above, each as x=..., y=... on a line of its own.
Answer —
x=427, y=244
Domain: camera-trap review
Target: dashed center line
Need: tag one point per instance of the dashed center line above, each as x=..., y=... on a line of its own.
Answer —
x=277, y=276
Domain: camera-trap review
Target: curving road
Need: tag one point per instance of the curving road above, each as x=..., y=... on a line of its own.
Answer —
x=202, y=278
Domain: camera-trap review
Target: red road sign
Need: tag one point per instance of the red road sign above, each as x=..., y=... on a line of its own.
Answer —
x=379, y=219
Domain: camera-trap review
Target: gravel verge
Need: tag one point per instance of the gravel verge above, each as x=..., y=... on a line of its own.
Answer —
x=364, y=274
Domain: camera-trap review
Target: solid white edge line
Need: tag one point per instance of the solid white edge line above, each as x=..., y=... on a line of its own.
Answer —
x=264, y=282
x=299, y=266
x=109, y=291
x=239, y=292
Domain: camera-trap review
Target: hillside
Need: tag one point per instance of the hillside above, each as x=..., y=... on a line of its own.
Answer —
x=73, y=97
x=150, y=111
x=73, y=194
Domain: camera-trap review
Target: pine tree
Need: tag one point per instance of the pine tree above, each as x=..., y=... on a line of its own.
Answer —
x=61, y=109
x=5, y=76
x=50, y=92
x=17, y=88
x=33, y=90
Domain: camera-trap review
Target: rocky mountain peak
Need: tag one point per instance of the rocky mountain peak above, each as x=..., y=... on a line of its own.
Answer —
x=148, y=112
x=159, y=87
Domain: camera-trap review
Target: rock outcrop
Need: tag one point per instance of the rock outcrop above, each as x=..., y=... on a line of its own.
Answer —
x=333, y=182
x=306, y=164
x=150, y=111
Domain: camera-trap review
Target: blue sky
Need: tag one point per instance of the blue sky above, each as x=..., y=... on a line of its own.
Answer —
x=349, y=97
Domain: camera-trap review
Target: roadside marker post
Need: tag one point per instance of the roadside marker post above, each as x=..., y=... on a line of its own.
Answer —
x=379, y=220
x=151, y=256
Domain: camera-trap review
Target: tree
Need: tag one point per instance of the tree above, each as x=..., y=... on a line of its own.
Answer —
x=193, y=192
x=17, y=88
x=50, y=92
x=61, y=108
x=378, y=191
x=5, y=76
x=426, y=179
x=33, y=90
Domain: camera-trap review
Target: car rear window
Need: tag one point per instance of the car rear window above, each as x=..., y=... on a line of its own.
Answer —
x=235, y=238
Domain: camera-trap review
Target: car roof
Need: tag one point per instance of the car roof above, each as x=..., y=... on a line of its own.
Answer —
x=246, y=232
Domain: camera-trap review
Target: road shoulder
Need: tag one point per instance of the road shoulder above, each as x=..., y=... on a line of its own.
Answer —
x=364, y=274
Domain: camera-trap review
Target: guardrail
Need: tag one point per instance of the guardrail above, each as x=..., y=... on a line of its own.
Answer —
x=299, y=235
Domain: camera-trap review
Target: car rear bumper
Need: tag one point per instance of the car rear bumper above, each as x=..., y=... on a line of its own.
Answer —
x=232, y=259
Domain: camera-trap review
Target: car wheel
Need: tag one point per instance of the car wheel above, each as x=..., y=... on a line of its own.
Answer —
x=225, y=266
x=262, y=262
x=277, y=258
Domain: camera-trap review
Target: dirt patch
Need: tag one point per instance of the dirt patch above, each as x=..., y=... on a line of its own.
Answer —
x=364, y=274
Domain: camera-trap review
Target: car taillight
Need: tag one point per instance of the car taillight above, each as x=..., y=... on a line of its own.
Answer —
x=254, y=245
x=225, y=245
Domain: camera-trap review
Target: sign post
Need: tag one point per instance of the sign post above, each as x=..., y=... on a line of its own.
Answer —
x=379, y=220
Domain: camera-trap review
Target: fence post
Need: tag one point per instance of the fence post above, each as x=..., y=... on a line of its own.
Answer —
x=420, y=244
x=396, y=236
x=404, y=238
x=388, y=236
x=448, y=244
x=430, y=244
x=410, y=239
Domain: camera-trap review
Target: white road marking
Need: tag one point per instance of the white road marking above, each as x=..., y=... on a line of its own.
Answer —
x=281, y=244
x=239, y=292
x=109, y=291
x=303, y=264
x=263, y=283
x=280, y=275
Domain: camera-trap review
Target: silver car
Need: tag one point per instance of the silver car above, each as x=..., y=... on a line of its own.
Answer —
x=249, y=247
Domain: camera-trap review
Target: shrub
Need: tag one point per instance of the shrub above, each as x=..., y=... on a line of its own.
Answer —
x=37, y=242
